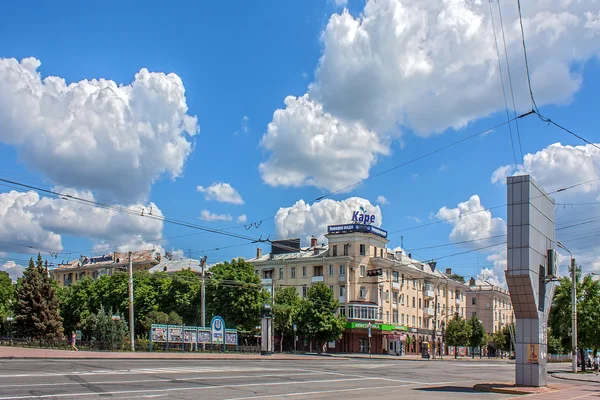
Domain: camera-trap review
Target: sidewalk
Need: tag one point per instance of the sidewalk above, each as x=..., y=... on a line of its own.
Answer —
x=412, y=357
x=569, y=376
x=7, y=352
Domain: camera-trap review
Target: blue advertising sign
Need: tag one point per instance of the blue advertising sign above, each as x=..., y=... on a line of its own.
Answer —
x=217, y=330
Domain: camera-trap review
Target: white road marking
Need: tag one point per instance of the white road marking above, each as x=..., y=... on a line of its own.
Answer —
x=194, y=388
x=145, y=371
x=319, y=392
x=165, y=380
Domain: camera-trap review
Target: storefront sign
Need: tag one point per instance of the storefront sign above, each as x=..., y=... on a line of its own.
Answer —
x=381, y=327
x=349, y=228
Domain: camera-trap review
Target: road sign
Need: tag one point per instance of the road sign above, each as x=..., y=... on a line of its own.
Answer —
x=295, y=327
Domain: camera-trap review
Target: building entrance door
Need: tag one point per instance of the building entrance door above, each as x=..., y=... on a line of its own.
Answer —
x=363, y=345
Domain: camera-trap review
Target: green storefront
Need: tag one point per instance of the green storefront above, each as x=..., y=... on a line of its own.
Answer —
x=356, y=338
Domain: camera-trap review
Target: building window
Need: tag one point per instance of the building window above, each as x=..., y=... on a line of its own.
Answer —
x=381, y=253
x=334, y=250
x=304, y=291
x=395, y=276
x=257, y=273
x=318, y=271
x=330, y=270
x=420, y=303
x=363, y=249
x=342, y=311
x=414, y=302
x=403, y=280
x=395, y=297
x=402, y=319
x=387, y=296
x=395, y=317
x=414, y=321
x=342, y=270
x=387, y=316
x=363, y=292
x=474, y=301
x=414, y=283
x=280, y=273
x=293, y=272
x=402, y=299
x=342, y=291
x=420, y=322
x=363, y=270
x=331, y=287
x=346, y=249
x=474, y=313
x=304, y=272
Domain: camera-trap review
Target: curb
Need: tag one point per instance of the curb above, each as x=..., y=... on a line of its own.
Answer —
x=233, y=358
x=487, y=389
x=573, y=379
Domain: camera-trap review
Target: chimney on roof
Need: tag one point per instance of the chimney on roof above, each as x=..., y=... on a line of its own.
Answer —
x=448, y=271
x=472, y=281
x=258, y=252
x=398, y=255
x=313, y=241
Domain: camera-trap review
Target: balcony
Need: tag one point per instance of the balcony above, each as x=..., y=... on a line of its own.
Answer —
x=428, y=292
x=363, y=312
x=395, y=286
x=343, y=278
x=266, y=281
x=316, y=279
x=458, y=301
x=429, y=311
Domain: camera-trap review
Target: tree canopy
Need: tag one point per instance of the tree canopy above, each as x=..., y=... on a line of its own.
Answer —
x=36, y=308
x=457, y=333
x=317, y=317
x=235, y=293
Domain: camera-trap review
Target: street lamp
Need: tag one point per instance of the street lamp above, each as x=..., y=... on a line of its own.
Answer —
x=573, y=308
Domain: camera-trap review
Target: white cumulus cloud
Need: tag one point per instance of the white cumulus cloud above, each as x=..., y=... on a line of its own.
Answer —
x=96, y=134
x=305, y=220
x=206, y=215
x=471, y=221
x=426, y=66
x=14, y=270
x=222, y=192
x=311, y=147
x=382, y=200
x=399, y=60
x=242, y=219
x=26, y=219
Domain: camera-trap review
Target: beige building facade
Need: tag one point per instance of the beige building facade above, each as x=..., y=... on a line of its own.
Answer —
x=95, y=267
x=491, y=304
x=407, y=302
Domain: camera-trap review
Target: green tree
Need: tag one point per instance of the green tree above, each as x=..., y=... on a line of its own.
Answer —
x=6, y=298
x=184, y=296
x=588, y=313
x=499, y=340
x=317, y=318
x=476, y=334
x=77, y=302
x=235, y=293
x=458, y=333
x=285, y=310
x=36, y=308
x=458, y=278
x=101, y=327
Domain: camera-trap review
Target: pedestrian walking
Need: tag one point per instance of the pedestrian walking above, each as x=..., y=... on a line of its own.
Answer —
x=73, y=338
x=597, y=362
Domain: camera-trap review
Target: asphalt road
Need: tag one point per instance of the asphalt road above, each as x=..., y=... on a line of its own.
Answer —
x=313, y=378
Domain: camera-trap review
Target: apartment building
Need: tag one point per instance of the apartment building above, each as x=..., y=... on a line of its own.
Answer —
x=490, y=303
x=407, y=302
x=72, y=271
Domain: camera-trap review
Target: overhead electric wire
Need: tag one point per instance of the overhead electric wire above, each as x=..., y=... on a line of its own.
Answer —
x=512, y=144
x=510, y=78
x=534, y=105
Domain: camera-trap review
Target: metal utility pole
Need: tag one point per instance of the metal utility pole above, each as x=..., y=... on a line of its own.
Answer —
x=573, y=309
x=203, y=266
x=131, y=326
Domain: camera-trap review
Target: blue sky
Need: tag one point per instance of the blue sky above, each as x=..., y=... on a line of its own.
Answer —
x=390, y=101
